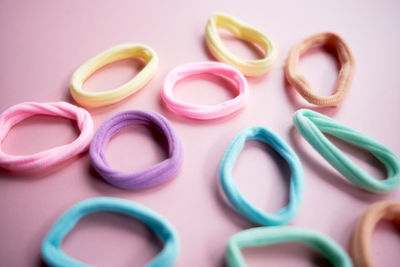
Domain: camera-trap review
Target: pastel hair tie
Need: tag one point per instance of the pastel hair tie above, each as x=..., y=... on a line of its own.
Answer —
x=152, y=176
x=50, y=157
x=243, y=31
x=203, y=112
x=232, y=192
x=264, y=236
x=51, y=247
x=346, y=73
x=311, y=125
x=362, y=235
x=119, y=52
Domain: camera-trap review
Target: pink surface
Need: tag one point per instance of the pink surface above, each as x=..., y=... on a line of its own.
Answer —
x=43, y=42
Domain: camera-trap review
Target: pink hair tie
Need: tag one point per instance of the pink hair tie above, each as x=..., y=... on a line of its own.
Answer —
x=203, y=112
x=53, y=156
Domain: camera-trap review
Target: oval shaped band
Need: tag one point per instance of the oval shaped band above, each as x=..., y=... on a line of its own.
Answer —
x=203, y=112
x=232, y=192
x=264, y=236
x=119, y=52
x=362, y=234
x=51, y=247
x=152, y=176
x=346, y=73
x=242, y=31
x=50, y=157
x=311, y=124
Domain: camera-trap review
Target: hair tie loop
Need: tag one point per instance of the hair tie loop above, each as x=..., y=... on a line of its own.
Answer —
x=50, y=157
x=362, y=234
x=119, y=52
x=311, y=124
x=243, y=31
x=232, y=192
x=203, y=112
x=264, y=236
x=51, y=247
x=346, y=73
x=152, y=176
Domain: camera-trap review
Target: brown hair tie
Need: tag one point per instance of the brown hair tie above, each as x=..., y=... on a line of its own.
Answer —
x=346, y=73
x=362, y=235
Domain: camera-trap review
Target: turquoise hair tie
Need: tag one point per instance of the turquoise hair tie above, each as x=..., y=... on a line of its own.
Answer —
x=311, y=124
x=51, y=248
x=264, y=236
x=236, y=198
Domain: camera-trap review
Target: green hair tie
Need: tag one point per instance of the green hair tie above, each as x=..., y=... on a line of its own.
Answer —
x=264, y=236
x=311, y=126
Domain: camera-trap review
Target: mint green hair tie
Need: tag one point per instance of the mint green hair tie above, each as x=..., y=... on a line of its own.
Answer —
x=264, y=236
x=311, y=126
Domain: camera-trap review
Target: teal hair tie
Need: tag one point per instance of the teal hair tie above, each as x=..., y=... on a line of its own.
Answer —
x=51, y=248
x=264, y=236
x=311, y=124
x=236, y=198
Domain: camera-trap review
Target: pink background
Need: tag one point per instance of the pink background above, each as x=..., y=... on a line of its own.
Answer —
x=43, y=42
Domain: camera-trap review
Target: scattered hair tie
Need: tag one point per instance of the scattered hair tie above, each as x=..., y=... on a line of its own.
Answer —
x=50, y=157
x=264, y=236
x=152, y=176
x=362, y=234
x=346, y=73
x=232, y=192
x=203, y=112
x=51, y=247
x=119, y=52
x=311, y=124
x=243, y=31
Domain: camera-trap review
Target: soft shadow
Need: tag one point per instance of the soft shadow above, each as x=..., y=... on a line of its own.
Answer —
x=330, y=176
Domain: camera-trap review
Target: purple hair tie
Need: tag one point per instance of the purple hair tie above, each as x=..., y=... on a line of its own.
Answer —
x=152, y=176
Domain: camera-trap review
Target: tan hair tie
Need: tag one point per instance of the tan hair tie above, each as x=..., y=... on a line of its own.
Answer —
x=345, y=76
x=362, y=235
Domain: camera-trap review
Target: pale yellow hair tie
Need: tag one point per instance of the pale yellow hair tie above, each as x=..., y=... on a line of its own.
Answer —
x=119, y=52
x=242, y=31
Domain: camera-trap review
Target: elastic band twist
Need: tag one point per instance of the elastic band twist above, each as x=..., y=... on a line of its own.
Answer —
x=232, y=192
x=51, y=247
x=311, y=124
x=243, y=31
x=50, y=157
x=152, y=176
x=119, y=52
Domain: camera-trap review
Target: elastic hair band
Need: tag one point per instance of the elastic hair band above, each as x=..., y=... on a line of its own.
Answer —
x=264, y=236
x=203, y=112
x=312, y=125
x=50, y=157
x=51, y=247
x=232, y=192
x=152, y=176
x=119, y=52
x=242, y=31
x=362, y=234
x=346, y=73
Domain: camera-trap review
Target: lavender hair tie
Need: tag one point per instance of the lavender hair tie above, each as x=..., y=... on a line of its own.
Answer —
x=152, y=176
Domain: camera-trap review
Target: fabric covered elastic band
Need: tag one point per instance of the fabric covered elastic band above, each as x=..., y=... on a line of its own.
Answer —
x=50, y=157
x=346, y=73
x=362, y=235
x=202, y=112
x=233, y=193
x=311, y=126
x=51, y=247
x=243, y=31
x=264, y=236
x=119, y=52
x=154, y=175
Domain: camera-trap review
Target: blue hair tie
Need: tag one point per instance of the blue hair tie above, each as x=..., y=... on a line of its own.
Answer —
x=51, y=247
x=236, y=198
